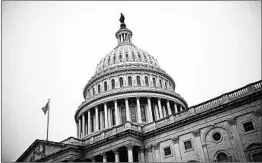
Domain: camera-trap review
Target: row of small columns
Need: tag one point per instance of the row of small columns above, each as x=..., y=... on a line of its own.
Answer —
x=129, y=153
x=117, y=116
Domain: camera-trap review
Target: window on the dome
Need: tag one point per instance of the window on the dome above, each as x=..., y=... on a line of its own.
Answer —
x=248, y=126
x=154, y=82
x=129, y=81
x=108, y=60
x=138, y=80
x=105, y=86
x=120, y=58
x=98, y=87
x=93, y=91
x=133, y=55
x=139, y=56
x=145, y=57
x=126, y=56
x=146, y=81
x=165, y=85
x=114, y=60
x=121, y=82
x=113, y=83
x=188, y=144
x=178, y=108
x=160, y=83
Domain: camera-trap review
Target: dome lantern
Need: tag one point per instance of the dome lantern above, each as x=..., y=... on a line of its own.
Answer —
x=123, y=35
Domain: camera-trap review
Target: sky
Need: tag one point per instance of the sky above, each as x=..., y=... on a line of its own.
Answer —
x=51, y=50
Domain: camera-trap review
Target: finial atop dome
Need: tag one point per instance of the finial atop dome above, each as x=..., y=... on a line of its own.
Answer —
x=123, y=35
x=122, y=21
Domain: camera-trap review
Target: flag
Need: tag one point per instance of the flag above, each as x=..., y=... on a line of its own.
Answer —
x=46, y=107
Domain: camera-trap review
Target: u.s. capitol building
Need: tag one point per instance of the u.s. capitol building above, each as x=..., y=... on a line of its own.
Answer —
x=132, y=113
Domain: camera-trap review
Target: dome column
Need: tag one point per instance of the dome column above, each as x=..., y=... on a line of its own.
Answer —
x=79, y=128
x=138, y=110
x=83, y=125
x=89, y=121
x=96, y=117
x=150, y=116
x=175, y=107
x=168, y=107
x=116, y=113
x=106, y=117
x=160, y=108
x=127, y=111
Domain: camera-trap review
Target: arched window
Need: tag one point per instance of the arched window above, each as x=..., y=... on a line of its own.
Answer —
x=160, y=83
x=108, y=60
x=139, y=56
x=120, y=58
x=146, y=81
x=126, y=56
x=165, y=85
x=154, y=82
x=94, y=91
x=129, y=81
x=138, y=80
x=113, y=83
x=105, y=86
x=222, y=157
x=121, y=82
x=98, y=87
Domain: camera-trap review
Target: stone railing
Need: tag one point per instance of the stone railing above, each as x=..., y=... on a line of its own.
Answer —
x=230, y=96
x=72, y=140
x=96, y=136
x=248, y=89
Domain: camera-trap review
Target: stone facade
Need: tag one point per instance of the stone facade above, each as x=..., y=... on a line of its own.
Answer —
x=132, y=113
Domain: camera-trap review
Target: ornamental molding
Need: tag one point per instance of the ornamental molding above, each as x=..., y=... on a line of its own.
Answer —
x=196, y=132
x=156, y=145
x=232, y=121
x=175, y=139
x=258, y=112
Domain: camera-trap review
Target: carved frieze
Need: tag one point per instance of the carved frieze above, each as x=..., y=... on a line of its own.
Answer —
x=258, y=112
x=196, y=132
x=175, y=139
x=232, y=121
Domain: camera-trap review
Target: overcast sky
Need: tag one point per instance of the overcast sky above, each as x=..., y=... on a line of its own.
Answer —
x=51, y=49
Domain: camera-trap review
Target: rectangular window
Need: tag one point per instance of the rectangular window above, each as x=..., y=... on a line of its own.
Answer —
x=188, y=145
x=167, y=151
x=248, y=126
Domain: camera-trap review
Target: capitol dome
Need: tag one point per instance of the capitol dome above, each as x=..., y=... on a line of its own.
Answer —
x=128, y=87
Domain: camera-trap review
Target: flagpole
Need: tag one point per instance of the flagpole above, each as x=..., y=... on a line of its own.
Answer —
x=48, y=120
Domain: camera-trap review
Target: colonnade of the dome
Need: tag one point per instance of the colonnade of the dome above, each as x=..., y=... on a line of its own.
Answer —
x=129, y=80
x=132, y=109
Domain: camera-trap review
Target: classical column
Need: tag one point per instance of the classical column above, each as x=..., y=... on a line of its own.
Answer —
x=177, y=149
x=157, y=117
x=109, y=117
x=79, y=126
x=150, y=157
x=157, y=152
x=117, y=118
x=150, y=116
x=83, y=124
x=138, y=110
x=168, y=107
x=175, y=106
x=130, y=152
x=106, y=117
x=160, y=108
x=198, y=145
x=77, y=130
x=116, y=155
x=101, y=120
x=96, y=117
x=141, y=154
x=237, y=142
x=127, y=111
x=89, y=120
x=104, y=157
